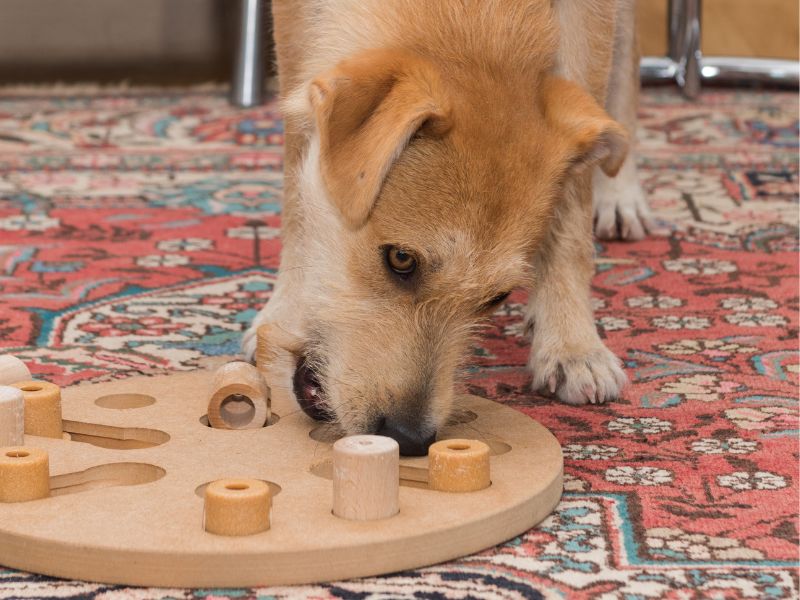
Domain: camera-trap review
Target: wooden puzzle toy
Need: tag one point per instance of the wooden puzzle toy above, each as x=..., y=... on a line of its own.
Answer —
x=366, y=478
x=12, y=416
x=147, y=493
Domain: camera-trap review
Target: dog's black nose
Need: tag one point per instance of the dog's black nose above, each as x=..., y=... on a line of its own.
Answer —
x=412, y=441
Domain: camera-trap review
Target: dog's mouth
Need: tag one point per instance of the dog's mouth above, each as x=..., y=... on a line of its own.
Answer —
x=309, y=392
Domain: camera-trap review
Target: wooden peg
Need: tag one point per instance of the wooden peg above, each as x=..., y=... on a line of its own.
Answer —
x=458, y=466
x=24, y=474
x=42, y=408
x=237, y=507
x=12, y=370
x=366, y=477
x=240, y=398
x=12, y=416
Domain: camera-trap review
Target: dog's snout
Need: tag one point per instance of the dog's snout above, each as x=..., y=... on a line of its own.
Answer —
x=413, y=441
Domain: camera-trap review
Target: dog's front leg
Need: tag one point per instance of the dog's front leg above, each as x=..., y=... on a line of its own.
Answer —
x=283, y=309
x=567, y=356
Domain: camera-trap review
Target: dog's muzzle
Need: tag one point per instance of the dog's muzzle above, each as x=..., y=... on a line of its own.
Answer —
x=413, y=441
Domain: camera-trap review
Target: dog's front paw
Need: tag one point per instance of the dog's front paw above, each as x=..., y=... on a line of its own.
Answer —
x=577, y=378
x=621, y=210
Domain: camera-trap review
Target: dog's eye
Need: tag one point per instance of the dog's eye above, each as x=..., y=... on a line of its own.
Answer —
x=497, y=300
x=400, y=261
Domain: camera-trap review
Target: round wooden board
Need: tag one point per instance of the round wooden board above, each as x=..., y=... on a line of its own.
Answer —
x=125, y=507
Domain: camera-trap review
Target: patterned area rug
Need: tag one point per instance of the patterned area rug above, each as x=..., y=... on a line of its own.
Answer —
x=139, y=234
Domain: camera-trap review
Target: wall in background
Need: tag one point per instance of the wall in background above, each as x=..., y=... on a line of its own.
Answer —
x=154, y=41
x=191, y=41
x=761, y=28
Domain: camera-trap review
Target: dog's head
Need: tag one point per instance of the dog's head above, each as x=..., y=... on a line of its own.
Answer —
x=424, y=199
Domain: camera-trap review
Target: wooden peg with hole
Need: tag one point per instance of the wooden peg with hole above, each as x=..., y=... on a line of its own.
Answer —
x=240, y=398
x=366, y=477
x=42, y=408
x=237, y=507
x=12, y=370
x=12, y=416
x=458, y=466
x=24, y=474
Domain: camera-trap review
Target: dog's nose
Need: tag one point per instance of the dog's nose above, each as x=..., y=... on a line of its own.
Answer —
x=412, y=441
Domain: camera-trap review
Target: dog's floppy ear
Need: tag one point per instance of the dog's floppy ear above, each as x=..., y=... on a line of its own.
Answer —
x=591, y=135
x=366, y=110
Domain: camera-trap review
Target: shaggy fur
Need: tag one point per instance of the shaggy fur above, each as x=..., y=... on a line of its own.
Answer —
x=470, y=134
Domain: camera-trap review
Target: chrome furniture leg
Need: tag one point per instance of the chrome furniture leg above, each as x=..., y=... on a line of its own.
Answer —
x=689, y=67
x=685, y=64
x=248, y=76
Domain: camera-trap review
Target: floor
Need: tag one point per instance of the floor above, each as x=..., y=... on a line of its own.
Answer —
x=139, y=233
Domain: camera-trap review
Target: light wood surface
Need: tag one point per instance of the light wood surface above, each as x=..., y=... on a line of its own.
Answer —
x=126, y=502
x=12, y=416
x=759, y=29
x=12, y=370
x=366, y=478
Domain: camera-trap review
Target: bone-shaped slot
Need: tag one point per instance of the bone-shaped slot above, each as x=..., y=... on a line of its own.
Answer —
x=104, y=476
x=409, y=476
x=115, y=438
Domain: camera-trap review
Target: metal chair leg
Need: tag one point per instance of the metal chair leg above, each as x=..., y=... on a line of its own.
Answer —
x=675, y=27
x=684, y=44
x=686, y=65
x=690, y=75
x=248, y=76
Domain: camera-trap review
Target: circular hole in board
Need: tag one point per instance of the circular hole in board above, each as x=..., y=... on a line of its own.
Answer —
x=459, y=417
x=274, y=488
x=274, y=418
x=17, y=454
x=31, y=388
x=327, y=433
x=123, y=401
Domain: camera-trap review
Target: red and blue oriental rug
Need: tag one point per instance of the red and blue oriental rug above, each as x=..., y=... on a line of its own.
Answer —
x=139, y=233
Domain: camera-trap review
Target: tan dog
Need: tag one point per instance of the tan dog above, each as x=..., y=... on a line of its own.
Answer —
x=440, y=153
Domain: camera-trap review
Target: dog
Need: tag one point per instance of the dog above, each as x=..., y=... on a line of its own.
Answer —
x=440, y=154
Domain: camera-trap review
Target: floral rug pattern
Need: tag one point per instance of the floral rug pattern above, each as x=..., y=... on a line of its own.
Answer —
x=139, y=233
